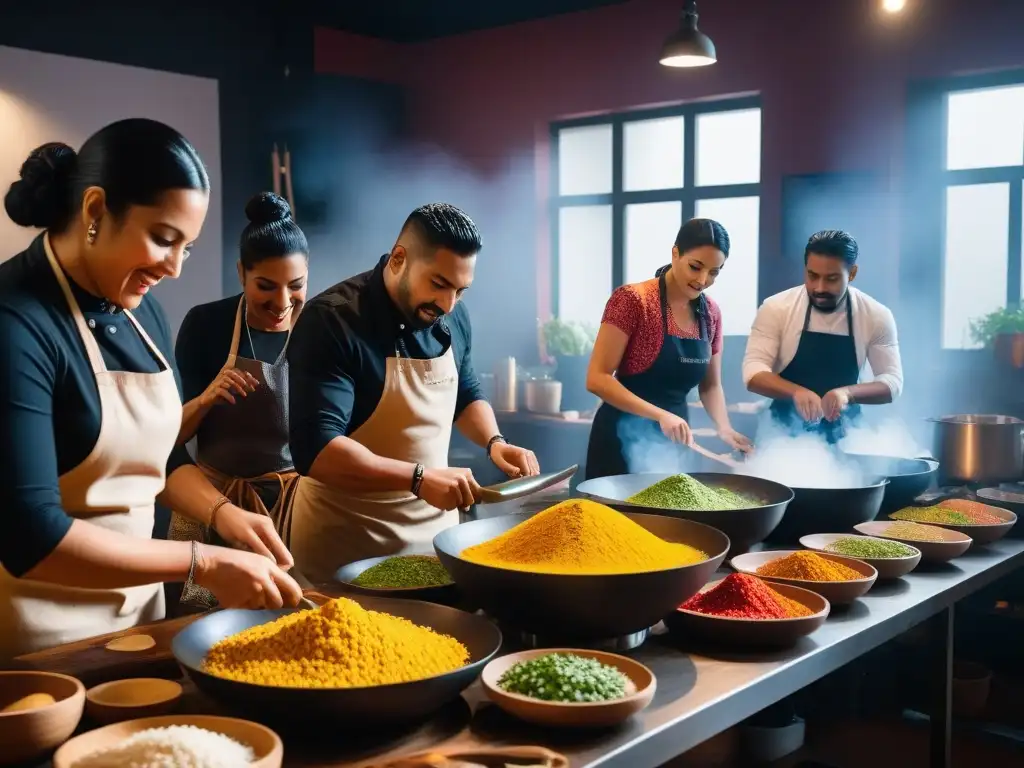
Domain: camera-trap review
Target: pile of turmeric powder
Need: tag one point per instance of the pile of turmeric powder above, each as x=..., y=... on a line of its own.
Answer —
x=581, y=537
x=339, y=645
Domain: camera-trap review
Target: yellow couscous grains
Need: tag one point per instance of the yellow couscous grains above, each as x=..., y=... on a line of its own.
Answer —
x=339, y=645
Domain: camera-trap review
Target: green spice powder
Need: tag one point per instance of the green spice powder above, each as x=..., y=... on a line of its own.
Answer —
x=853, y=547
x=404, y=571
x=564, y=677
x=684, y=492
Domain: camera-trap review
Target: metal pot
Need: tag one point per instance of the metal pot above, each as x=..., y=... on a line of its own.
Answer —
x=979, y=449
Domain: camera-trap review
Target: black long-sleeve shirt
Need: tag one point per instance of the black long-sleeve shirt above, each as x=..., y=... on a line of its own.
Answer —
x=338, y=354
x=204, y=341
x=49, y=403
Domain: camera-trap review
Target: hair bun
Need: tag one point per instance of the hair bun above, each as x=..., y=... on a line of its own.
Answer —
x=266, y=208
x=39, y=198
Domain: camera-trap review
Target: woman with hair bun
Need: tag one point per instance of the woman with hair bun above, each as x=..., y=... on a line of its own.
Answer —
x=657, y=341
x=234, y=371
x=90, y=402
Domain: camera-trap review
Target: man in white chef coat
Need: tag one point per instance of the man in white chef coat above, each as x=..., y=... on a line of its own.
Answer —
x=808, y=344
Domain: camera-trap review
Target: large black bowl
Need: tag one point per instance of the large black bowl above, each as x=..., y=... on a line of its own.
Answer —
x=576, y=606
x=829, y=510
x=744, y=527
x=908, y=478
x=378, y=705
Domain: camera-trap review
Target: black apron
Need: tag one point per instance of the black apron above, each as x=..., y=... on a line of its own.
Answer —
x=679, y=367
x=243, y=450
x=823, y=362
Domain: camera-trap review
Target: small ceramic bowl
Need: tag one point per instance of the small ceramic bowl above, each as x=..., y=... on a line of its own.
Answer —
x=982, y=533
x=266, y=745
x=836, y=592
x=27, y=734
x=560, y=714
x=887, y=567
x=953, y=543
x=131, y=699
x=758, y=633
x=443, y=594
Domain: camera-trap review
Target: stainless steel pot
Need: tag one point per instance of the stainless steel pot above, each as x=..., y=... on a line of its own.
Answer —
x=979, y=448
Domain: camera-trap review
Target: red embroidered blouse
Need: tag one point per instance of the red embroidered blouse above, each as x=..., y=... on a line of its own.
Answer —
x=636, y=311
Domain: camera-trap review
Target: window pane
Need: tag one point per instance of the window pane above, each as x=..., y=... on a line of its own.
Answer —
x=653, y=154
x=585, y=160
x=729, y=147
x=651, y=229
x=584, y=261
x=985, y=128
x=735, y=290
x=975, y=258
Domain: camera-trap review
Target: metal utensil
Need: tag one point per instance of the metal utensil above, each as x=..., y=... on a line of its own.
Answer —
x=721, y=458
x=524, y=486
x=306, y=585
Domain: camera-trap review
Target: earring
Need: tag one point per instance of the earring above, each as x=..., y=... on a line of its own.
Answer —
x=91, y=232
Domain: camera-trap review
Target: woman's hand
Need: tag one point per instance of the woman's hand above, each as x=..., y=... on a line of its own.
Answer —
x=254, y=532
x=225, y=385
x=735, y=440
x=244, y=579
x=676, y=429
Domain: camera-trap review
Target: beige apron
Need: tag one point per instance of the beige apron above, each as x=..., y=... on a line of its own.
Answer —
x=113, y=488
x=412, y=422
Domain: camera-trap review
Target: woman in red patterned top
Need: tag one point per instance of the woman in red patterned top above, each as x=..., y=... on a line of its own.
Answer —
x=658, y=340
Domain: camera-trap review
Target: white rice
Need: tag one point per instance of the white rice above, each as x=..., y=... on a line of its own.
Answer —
x=177, y=746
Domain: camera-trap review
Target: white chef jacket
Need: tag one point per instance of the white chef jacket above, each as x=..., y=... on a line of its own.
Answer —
x=776, y=331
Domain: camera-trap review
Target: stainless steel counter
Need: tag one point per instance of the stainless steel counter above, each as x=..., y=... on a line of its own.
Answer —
x=702, y=692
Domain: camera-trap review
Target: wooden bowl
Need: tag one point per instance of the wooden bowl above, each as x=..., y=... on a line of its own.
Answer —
x=266, y=745
x=836, y=592
x=30, y=733
x=981, y=533
x=601, y=714
x=887, y=567
x=953, y=544
x=759, y=633
x=130, y=699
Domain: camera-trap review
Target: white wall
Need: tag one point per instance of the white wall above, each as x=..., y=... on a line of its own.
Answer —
x=45, y=97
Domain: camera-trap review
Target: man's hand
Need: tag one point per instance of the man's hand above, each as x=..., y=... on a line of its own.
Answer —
x=514, y=461
x=808, y=405
x=451, y=488
x=834, y=403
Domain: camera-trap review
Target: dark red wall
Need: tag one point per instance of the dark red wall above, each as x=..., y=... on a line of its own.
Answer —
x=832, y=75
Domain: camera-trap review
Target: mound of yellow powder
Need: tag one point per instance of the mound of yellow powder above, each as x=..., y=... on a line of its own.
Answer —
x=582, y=537
x=339, y=645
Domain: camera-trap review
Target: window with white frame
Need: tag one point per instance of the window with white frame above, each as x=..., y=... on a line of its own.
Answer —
x=984, y=208
x=624, y=184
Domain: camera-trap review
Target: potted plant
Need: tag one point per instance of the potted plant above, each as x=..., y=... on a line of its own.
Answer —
x=1003, y=331
x=570, y=344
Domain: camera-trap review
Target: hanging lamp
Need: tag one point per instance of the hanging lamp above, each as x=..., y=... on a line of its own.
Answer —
x=688, y=46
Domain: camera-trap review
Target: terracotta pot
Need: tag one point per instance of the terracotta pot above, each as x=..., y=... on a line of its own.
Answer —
x=1009, y=348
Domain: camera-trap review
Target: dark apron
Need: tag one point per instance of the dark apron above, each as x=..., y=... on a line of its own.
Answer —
x=823, y=362
x=679, y=367
x=244, y=451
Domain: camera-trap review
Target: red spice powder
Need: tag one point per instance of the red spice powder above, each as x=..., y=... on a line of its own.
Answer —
x=980, y=514
x=739, y=596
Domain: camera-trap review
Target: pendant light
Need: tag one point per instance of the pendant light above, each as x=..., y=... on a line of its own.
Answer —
x=688, y=46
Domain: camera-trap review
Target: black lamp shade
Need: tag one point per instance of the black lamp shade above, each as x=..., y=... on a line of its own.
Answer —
x=688, y=46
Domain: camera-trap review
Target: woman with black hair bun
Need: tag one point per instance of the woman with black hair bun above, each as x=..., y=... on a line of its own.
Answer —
x=657, y=341
x=90, y=403
x=234, y=372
